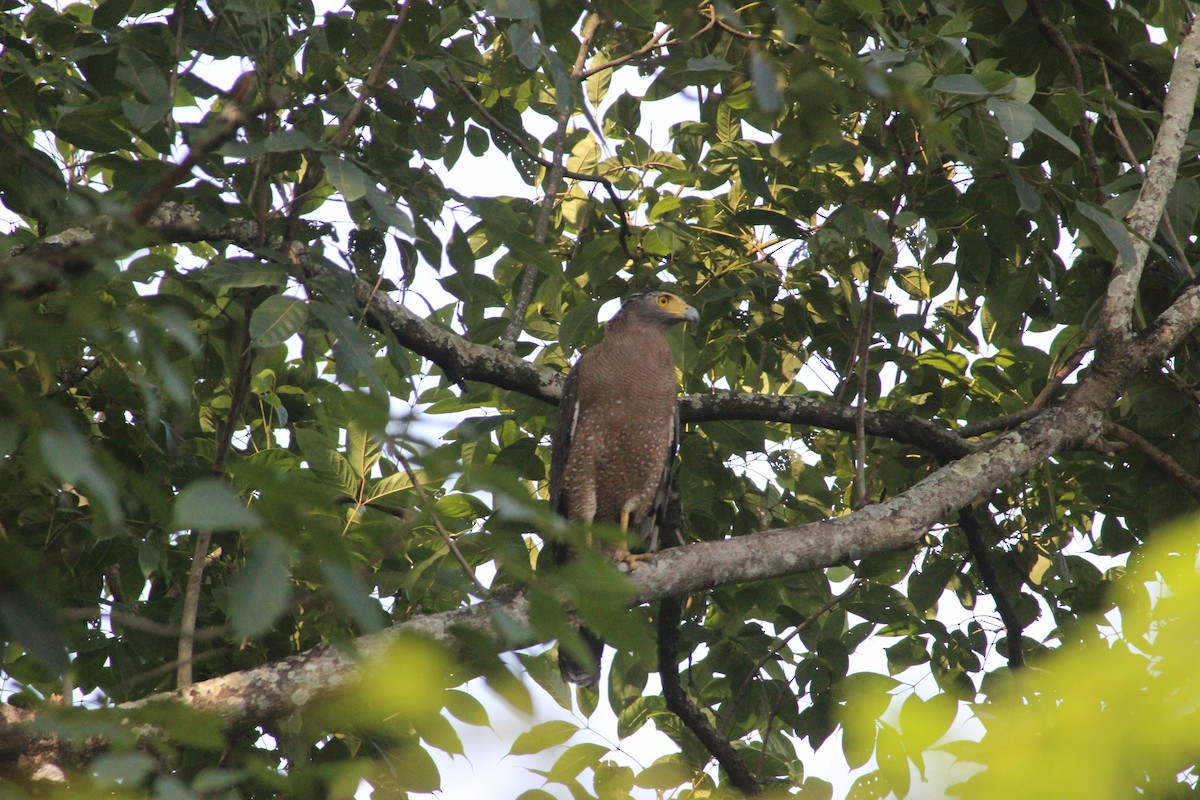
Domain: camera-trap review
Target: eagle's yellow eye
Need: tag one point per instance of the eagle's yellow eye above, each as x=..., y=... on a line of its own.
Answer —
x=664, y=299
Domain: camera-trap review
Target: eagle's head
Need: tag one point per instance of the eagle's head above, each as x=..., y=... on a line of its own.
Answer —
x=659, y=307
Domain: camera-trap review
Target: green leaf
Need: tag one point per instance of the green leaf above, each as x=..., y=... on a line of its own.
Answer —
x=1113, y=229
x=353, y=354
x=858, y=742
x=241, y=273
x=1183, y=202
x=633, y=716
x=466, y=708
x=27, y=618
x=766, y=84
x=526, y=48
x=596, y=85
x=95, y=127
x=1047, y=127
x=351, y=182
x=439, y=733
x=109, y=14
x=391, y=484
x=209, y=504
x=542, y=737
x=354, y=596
x=69, y=458
x=116, y=769
x=709, y=63
x=415, y=769
x=960, y=84
x=665, y=774
x=259, y=594
x=892, y=759
x=363, y=450
x=1031, y=201
x=1016, y=118
x=513, y=9
x=575, y=759
x=387, y=212
x=923, y=722
x=277, y=319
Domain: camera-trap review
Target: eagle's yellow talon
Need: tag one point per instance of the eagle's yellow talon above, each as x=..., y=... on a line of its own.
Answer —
x=629, y=560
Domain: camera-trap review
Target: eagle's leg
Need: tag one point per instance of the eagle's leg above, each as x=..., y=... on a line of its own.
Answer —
x=622, y=555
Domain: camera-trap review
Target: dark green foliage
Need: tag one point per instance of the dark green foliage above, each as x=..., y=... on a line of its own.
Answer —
x=928, y=179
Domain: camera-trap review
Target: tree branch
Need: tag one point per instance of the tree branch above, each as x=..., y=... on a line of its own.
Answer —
x=40, y=267
x=461, y=359
x=982, y=556
x=900, y=522
x=679, y=704
x=1157, y=456
x=1056, y=37
x=1117, y=318
x=232, y=118
x=541, y=228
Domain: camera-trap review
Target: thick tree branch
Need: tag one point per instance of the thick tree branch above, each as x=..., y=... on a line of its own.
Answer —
x=1117, y=319
x=901, y=522
x=40, y=267
x=462, y=360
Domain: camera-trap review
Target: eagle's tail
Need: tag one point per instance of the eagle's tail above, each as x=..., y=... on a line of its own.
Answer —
x=586, y=674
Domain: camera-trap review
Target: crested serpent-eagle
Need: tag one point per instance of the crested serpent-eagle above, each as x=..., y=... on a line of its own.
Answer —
x=617, y=431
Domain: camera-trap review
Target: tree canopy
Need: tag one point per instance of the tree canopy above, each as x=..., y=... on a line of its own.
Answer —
x=943, y=257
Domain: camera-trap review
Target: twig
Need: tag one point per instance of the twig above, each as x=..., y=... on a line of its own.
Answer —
x=191, y=607
x=437, y=523
x=1119, y=68
x=863, y=346
x=714, y=16
x=163, y=669
x=653, y=44
x=825, y=608
x=316, y=171
x=1056, y=37
x=521, y=141
x=238, y=392
x=144, y=625
x=1043, y=398
x=1157, y=456
x=372, y=77
x=541, y=227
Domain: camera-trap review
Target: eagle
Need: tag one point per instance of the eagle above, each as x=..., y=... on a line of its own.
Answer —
x=616, y=436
